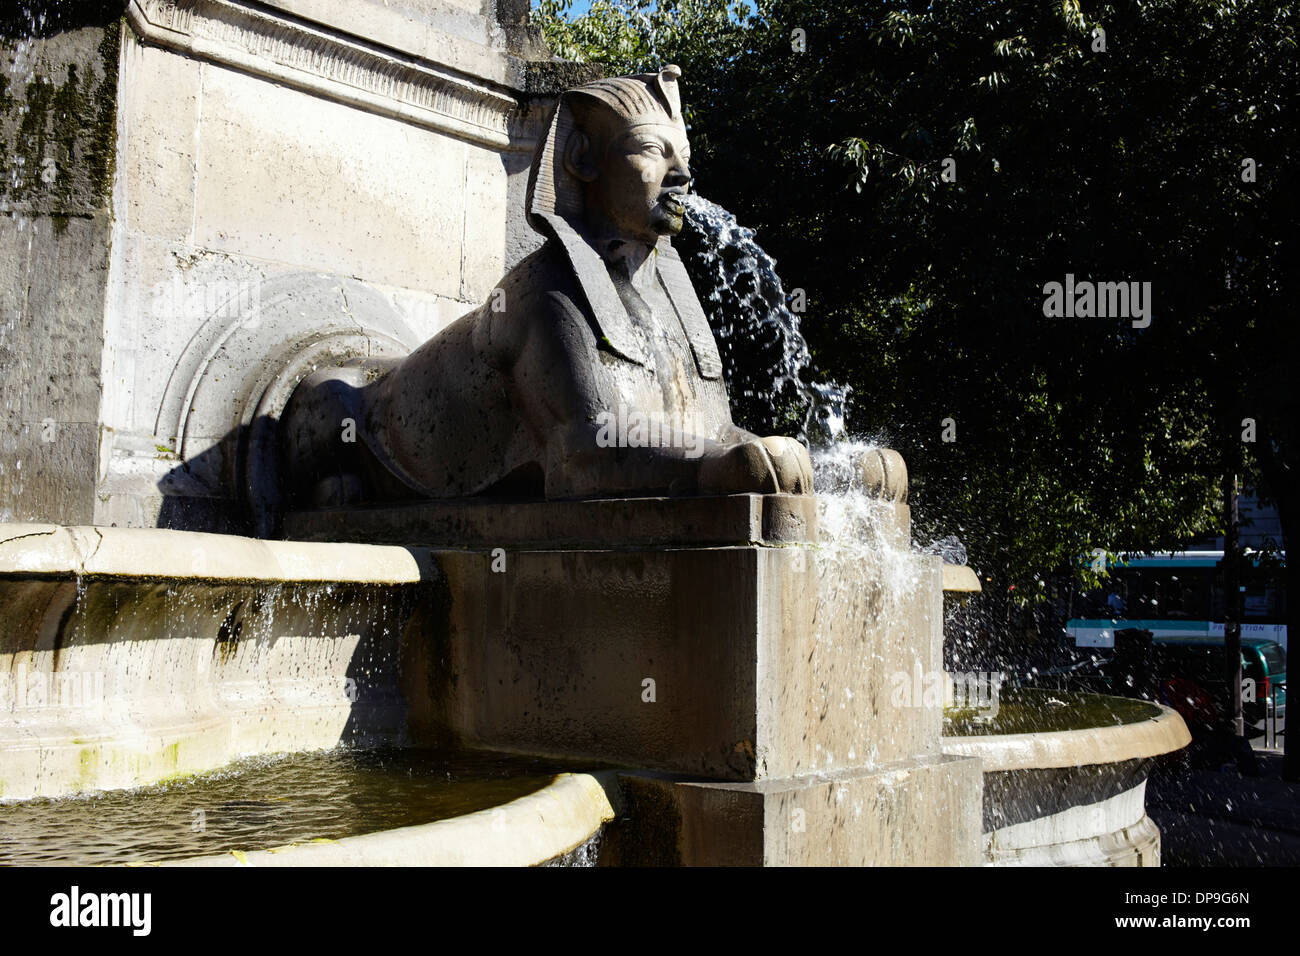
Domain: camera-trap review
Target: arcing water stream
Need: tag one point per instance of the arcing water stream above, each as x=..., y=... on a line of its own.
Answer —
x=764, y=355
x=767, y=364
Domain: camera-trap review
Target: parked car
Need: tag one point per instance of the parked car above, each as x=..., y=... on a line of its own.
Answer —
x=1189, y=675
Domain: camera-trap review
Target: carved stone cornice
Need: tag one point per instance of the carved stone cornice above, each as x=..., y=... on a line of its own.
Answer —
x=329, y=63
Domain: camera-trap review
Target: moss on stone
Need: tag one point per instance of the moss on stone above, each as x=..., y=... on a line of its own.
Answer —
x=61, y=161
x=1031, y=710
x=102, y=148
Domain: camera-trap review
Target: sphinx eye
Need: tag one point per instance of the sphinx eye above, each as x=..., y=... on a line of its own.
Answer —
x=652, y=148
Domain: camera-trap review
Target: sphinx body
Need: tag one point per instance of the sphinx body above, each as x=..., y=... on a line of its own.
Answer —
x=591, y=369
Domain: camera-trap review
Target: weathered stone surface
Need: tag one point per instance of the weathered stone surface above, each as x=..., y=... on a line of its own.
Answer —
x=590, y=371
x=594, y=523
x=452, y=32
x=52, y=289
x=133, y=655
x=57, y=106
x=367, y=142
x=48, y=469
x=484, y=243
x=217, y=220
x=159, y=150
x=58, y=98
x=146, y=553
x=387, y=59
x=260, y=192
x=761, y=662
x=123, y=683
x=185, y=385
x=920, y=812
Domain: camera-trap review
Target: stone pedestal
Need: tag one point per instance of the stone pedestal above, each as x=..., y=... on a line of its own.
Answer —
x=761, y=690
x=922, y=811
x=772, y=680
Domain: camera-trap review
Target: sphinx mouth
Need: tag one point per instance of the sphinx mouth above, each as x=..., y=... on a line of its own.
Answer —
x=672, y=202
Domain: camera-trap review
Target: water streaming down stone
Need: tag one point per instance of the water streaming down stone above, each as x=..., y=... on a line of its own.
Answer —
x=767, y=363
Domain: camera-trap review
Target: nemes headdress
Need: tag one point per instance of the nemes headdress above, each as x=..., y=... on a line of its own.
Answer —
x=555, y=208
x=645, y=98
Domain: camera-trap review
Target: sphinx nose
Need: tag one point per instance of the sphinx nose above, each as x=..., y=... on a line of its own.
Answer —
x=679, y=175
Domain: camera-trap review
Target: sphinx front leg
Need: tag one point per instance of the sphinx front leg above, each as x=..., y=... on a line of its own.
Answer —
x=582, y=460
x=788, y=459
x=317, y=437
x=757, y=465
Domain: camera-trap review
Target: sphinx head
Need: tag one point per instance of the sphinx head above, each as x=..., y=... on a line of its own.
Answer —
x=622, y=145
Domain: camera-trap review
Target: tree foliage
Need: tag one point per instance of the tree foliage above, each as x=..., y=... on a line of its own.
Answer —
x=1102, y=140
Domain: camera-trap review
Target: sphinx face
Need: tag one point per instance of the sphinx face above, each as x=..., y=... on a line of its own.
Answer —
x=640, y=183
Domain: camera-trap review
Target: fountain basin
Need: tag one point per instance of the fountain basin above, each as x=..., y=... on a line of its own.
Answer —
x=340, y=807
x=735, y=657
x=134, y=656
x=561, y=822
x=1068, y=795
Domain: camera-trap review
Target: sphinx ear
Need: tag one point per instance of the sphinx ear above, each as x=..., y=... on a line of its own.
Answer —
x=578, y=159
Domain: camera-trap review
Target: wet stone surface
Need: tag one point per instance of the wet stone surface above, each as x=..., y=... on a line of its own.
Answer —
x=1026, y=711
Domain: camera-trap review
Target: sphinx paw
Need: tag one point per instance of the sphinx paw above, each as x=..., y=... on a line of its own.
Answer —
x=759, y=466
x=744, y=468
x=884, y=475
x=790, y=462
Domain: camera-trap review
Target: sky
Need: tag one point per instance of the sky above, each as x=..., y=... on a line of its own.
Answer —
x=578, y=8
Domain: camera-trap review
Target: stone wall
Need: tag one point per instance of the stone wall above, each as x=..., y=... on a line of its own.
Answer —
x=58, y=96
x=201, y=193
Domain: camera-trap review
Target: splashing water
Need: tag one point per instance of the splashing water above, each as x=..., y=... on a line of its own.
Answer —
x=764, y=354
x=871, y=581
x=20, y=65
x=767, y=363
x=864, y=553
x=851, y=520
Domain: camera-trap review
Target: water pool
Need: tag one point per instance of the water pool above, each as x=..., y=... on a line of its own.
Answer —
x=264, y=802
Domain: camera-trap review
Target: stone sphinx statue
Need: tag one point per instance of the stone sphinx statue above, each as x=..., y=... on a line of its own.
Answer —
x=590, y=371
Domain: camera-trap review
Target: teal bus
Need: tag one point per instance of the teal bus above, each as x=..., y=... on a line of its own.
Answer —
x=1180, y=595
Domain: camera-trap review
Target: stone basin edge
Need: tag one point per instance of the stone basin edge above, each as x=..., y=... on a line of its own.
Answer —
x=93, y=551
x=530, y=830
x=1087, y=746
